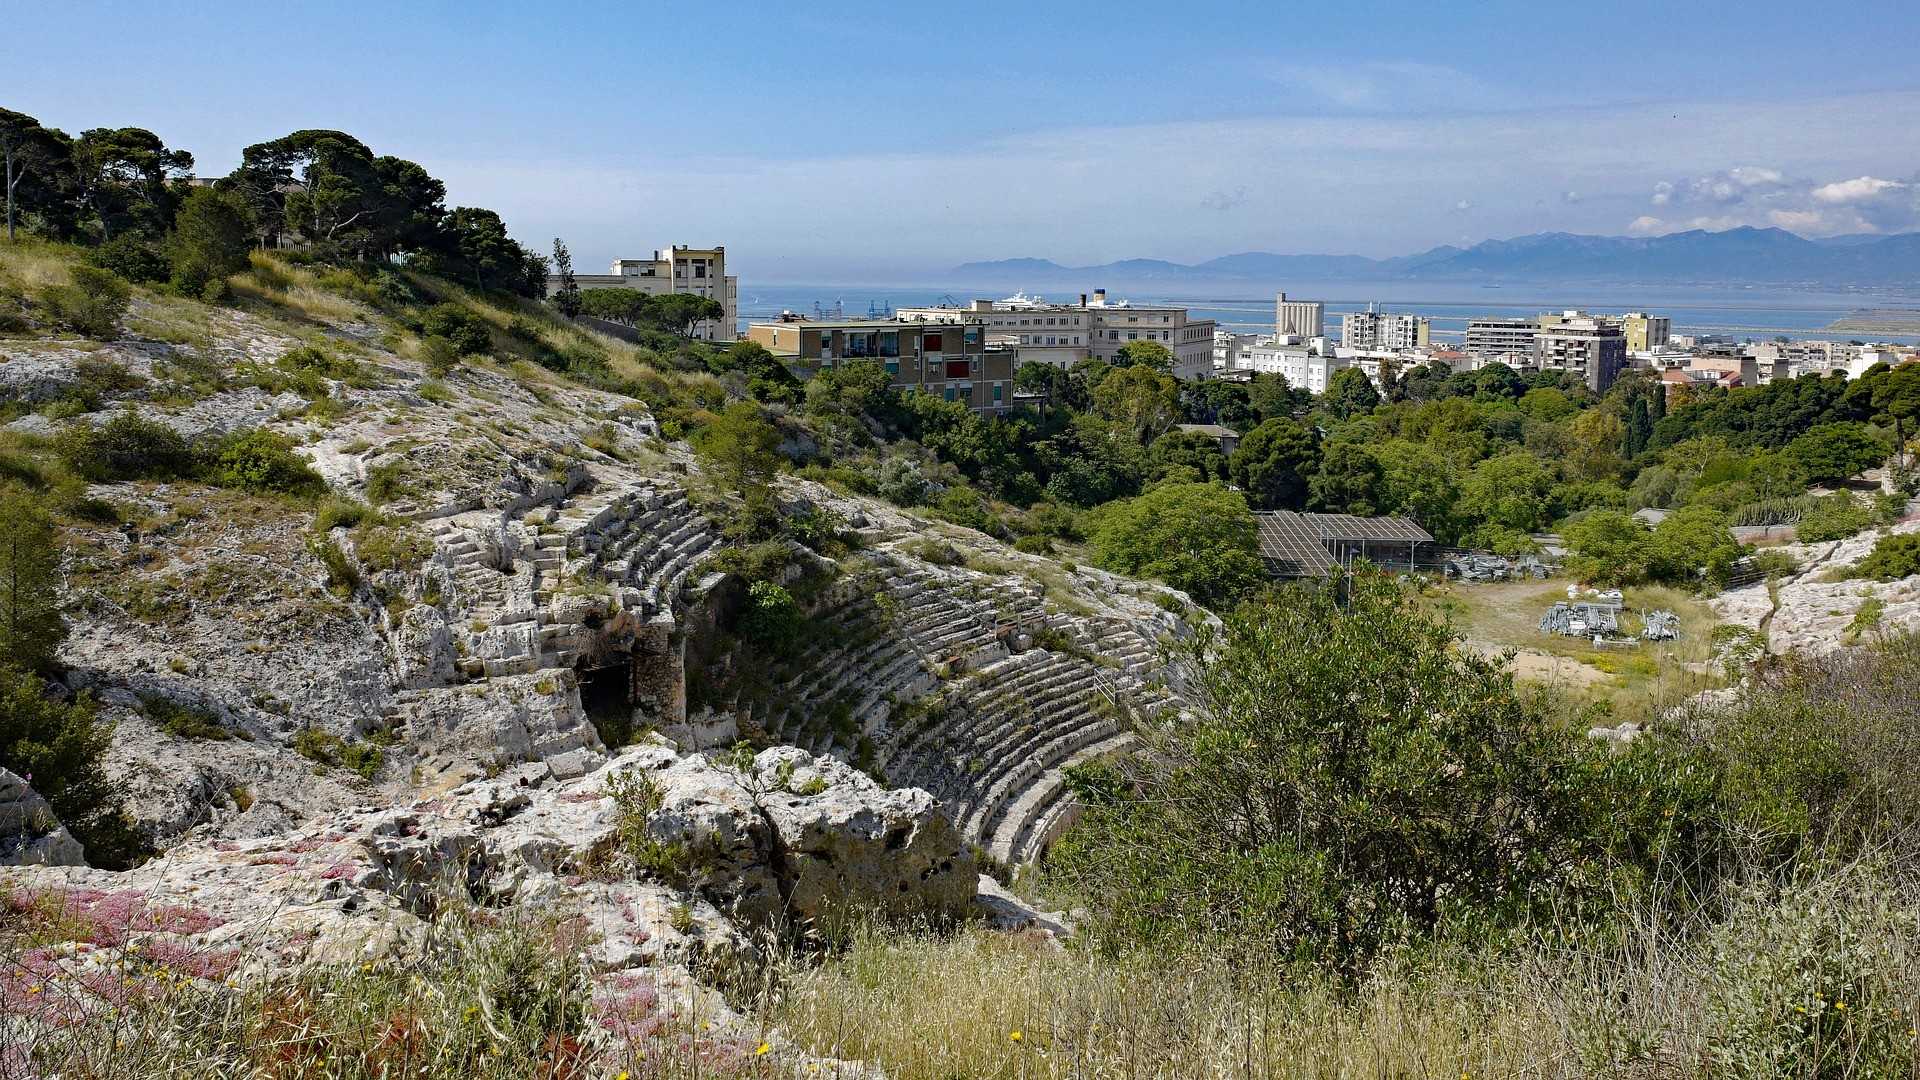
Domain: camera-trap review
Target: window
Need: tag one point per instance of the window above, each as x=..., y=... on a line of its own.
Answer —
x=930, y=342
x=1133, y=335
x=959, y=369
x=971, y=335
x=949, y=393
x=893, y=367
x=998, y=390
x=890, y=344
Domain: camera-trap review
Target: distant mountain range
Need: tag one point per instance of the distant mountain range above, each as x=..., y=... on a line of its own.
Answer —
x=1736, y=256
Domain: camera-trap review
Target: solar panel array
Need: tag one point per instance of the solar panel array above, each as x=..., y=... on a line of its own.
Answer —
x=1383, y=529
x=1301, y=545
x=1291, y=546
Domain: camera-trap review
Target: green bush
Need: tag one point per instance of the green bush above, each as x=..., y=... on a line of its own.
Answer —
x=262, y=462
x=30, y=624
x=387, y=482
x=58, y=747
x=1832, y=517
x=337, y=513
x=466, y=333
x=326, y=748
x=391, y=547
x=771, y=619
x=127, y=447
x=1352, y=779
x=132, y=256
x=1892, y=558
x=92, y=303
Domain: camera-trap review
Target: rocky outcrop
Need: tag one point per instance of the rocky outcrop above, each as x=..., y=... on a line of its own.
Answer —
x=1818, y=610
x=30, y=834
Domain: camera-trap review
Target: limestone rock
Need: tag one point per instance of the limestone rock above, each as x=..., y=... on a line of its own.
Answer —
x=846, y=841
x=30, y=834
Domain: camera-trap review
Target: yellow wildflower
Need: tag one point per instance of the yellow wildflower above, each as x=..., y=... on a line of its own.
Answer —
x=1015, y=1036
x=762, y=1049
x=621, y=1075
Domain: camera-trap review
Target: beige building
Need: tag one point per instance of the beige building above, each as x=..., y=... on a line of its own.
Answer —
x=1303, y=319
x=1593, y=348
x=1504, y=339
x=949, y=358
x=1092, y=329
x=1643, y=332
x=678, y=269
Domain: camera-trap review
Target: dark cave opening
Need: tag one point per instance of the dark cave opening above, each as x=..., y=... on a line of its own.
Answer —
x=606, y=693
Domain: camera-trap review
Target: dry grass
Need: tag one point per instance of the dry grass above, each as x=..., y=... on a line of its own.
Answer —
x=35, y=264
x=1636, y=682
x=1821, y=979
x=285, y=289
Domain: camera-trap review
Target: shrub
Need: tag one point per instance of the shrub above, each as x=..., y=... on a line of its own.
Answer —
x=391, y=547
x=127, y=447
x=466, y=333
x=326, y=748
x=1892, y=558
x=92, y=304
x=1832, y=517
x=211, y=239
x=771, y=619
x=337, y=513
x=260, y=461
x=30, y=624
x=1355, y=778
x=132, y=256
x=387, y=482
x=1198, y=538
x=1034, y=545
x=59, y=745
x=182, y=720
x=440, y=356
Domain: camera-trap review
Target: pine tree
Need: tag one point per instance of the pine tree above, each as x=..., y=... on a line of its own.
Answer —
x=30, y=623
x=567, y=300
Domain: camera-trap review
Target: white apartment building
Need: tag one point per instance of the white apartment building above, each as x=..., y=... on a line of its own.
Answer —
x=1371, y=329
x=1495, y=337
x=1303, y=366
x=1228, y=346
x=1092, y=329
x=1301, y=319
x=677, y=269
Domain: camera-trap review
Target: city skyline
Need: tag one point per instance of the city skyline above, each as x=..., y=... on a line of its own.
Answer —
x=860, y=140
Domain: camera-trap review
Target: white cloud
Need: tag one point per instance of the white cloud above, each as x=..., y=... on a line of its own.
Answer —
x=1646, y=225
x=1855, y=190
x=1764, y=195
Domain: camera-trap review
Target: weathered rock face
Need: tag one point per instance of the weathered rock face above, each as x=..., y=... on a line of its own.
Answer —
x=1816, y=616
x=30, y=834
x=789, y=839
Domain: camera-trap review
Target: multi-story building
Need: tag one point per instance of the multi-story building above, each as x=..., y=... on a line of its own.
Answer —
x=1227, y=347
x=1304, y=367
x=1057, y=333
x=1497, y=337
x=1593, y=348
x=1371, y=329
x=1646, y=333
x=678, y=269
x=1643, y=332
x=950, y=358
x=1301, y=319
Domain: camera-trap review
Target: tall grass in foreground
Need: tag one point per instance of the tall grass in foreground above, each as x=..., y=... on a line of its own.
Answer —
x=1815, y=979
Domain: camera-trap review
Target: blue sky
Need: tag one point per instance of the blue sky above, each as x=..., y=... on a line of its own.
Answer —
x=857, y=141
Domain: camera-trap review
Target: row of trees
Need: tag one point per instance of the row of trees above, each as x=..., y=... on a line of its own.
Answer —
x=323, y=191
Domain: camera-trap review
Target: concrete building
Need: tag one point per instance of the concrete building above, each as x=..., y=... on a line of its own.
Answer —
x=1303, y=319
x=1227, y=438
x=1646, y=333
x=1228, y=347
x=1307, y=367
x=1496, y=337
x=950, y=359
x=678, y=269
x=1096, y=325
x=1593, y=348
x=1371, y=329
x=1642, y=332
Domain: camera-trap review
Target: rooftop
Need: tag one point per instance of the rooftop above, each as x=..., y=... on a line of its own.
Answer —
x=1300, y=545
